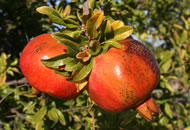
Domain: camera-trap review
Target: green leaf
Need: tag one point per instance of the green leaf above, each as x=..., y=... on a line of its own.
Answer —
x=67, y=10
x=168, y=110
x=61, y=117
x=108, y=44
x=67, y=19
x=95, y=47
x=85, y=17
x=178, y=26
x=81, y=71
x=61, y=36
x=74, y=1
x=54, y=62
x=166, y=66
x=93, y=23
x=108, y=27
x=52, y=114
x=122, y=33
x=15, y=62
x=70, y=63
x=164, y=121
x=117, y=24
x=62, y=72
x=169, y=87
x=53, y=15
x=184, y=36
x=39, y=115
x=91, y=3
x=79, y=16
x=72, y=47
x=39, y=125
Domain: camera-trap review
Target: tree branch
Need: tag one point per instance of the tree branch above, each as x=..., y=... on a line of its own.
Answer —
x=77, y=108
x=11, y=93
x=14, y=82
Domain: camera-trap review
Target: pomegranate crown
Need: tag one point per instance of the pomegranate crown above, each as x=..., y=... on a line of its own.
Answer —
x=86, y=35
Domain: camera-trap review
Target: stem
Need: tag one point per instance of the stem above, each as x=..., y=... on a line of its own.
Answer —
x=11, y=92
x=14, y=82
x=93, y=121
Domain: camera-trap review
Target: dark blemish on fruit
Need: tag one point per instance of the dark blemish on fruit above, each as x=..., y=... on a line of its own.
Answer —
x=65, y=50
x=137, y=48
x=38, y=48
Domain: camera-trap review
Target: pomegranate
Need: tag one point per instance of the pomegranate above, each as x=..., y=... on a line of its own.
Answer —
x=124, y=78
x=38, y=75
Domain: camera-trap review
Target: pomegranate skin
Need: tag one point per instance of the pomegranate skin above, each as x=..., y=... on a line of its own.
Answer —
x=40, y=76
x=123, y=78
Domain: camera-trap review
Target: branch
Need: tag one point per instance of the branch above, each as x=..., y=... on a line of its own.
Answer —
x=14, y=82
x=11, y=92
x=77, y=108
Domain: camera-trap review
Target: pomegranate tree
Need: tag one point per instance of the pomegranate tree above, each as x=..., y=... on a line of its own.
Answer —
x=93, y=53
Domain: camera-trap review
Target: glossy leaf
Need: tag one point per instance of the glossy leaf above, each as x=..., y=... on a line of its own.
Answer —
x=67, y=10
x=62, y=36
x=70, y=64
x=117, y=24
x=81, y=72
x=107, y=27
x=168, y=110
x=53, y=15
x=67, y=19
x=93, y=23
x=122, y=33
x=81, y=85
x=61, y=117
x=39, y=115
x=91, y=3
x=108, y=44
x=54, y=62
x=72, y=47
x=95, y=47
x=52, y=114
x=62, y=72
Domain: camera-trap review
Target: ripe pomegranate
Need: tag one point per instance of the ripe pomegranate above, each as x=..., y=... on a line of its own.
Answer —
x=124, y=78
x=38, y=75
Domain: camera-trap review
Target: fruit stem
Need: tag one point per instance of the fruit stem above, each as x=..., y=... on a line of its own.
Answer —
x=147, y=108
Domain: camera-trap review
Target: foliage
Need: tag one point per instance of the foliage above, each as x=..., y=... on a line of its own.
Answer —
x=164, y=27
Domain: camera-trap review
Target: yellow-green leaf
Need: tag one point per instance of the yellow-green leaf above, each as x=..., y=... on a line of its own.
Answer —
x=52, y=114
x=93, y=23
x=39, y=115
x=168, y=110
x=81, y=72
x=122, y=33
x=67, y=10
x=61, y=117
x=53, y=15
x=80, y=85
x=100, y=18
x=91, y=3
x=117, y=24
x=95, y=47
x=108, y=44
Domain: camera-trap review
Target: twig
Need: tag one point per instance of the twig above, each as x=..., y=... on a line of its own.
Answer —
x=77, y=108
x=14, y=82
x=13, y=110
x=93, y=121
x=11, y=92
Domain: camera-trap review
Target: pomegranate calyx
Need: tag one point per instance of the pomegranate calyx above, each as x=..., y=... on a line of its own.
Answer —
x=147, y=108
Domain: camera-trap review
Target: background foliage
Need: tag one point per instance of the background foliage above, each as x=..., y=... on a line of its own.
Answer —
x=162, y=25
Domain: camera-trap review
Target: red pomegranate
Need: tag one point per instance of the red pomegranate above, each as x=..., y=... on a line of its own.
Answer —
x=38, y=75
x=124, y=78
